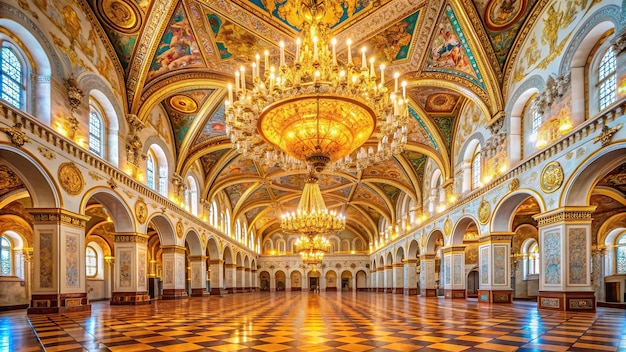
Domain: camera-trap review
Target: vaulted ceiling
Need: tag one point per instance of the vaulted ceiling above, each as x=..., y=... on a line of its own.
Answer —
x=177, y=57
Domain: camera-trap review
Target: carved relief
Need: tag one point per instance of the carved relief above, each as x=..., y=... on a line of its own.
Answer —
x=18, y=138
x=141, y=211
x=484, y=212
x=447, y=227
x=46, y=153
x=551, y=177
x=179, y=229
x=71, y=179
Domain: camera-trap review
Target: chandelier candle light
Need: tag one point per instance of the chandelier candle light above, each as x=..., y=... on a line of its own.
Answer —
x=319, y=112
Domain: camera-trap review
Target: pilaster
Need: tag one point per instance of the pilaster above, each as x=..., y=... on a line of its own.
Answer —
x=217, y=277
x=427, y=275
x=198, y=275
x=565, y=247
x=174, y=272
x=59, y=283
x=398, y=278
x=410, y=276
x=130, y=269
x=454, y=281
x=494, y=258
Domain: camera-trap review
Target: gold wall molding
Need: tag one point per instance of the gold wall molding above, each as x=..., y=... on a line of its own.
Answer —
x=551, y=177
x=130, y=238
x=17, y=136
x=484, y=212
x=55, y=216
x=565, y=214
x=46, y=153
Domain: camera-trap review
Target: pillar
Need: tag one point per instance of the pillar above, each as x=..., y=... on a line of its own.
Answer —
x=230, y=271
x=217, y=277
x=388, y=287
x=380, y=278
x=174, y=272
x=427, y=275
x=454, y=271
x=130, y=285
x=59, y=283
x=410, y=276
x=239, y=277
x=494, y=258
x=247, y=284
x=565, y=249
x=398, y=278
x=198, y=275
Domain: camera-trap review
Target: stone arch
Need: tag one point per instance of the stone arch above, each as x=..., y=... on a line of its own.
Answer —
x=414, y=249
x=515, y=112
x=194, y=241
x=504, y=212
x=577, y=189
x=431, y=241
x=213, y=248
x=40, y=185
x=399, y=255
x=460, y=227
x=115, y=206
x=164, y=228
x=227, y=255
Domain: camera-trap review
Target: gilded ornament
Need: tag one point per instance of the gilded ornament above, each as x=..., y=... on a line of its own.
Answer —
x=484, y=210
x=514, y=185
x=141, y=211
x=179, y=229
x=606, y=135
x=94, y=175
x=18, y=138
x=46, y=153
x=551, y=177
x=71, y=179
x=447, y=227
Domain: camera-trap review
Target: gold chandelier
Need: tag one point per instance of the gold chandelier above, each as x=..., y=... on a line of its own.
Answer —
x=312, y=217
x=318, y=112
x=312, y=248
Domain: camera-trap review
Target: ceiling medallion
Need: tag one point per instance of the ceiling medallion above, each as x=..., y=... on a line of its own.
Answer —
x=184, y=104
x=551, y=177
x=123, y=16
x=319, y=112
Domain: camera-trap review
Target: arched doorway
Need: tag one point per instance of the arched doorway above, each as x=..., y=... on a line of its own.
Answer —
x=331, y=280
x=296, y=281
x=314, y=280
x=264, y=278
x=361, y=281
x=281, y=282
x=346, y=281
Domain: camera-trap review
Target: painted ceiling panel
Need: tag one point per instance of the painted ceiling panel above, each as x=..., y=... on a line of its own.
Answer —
x=209, y=160
x=215, y=127
x=178, y=48
x=387, y=169
x=450, y=51
x=233, y=41
x=237, y=167
x=183, y=108
x=365, y=194
x=394, y=42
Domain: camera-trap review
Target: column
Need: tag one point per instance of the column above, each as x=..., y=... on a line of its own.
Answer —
x=154, y=278
x=427, y=275
x=198, y=275
x=109, y=278
x=130, y=285
x=59, y=283
x=217, y=277
x=398, y=278
x=174, y=272
x=254, y=276
x=494, y=271
x=230, y=270
x=565, y=249
x=247, y=284
x=388, y=287
x=410, y=276
x=454, y=271
x=239, y=276
x=380, y=278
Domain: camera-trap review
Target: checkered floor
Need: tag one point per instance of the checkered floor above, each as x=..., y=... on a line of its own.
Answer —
x=301, y=321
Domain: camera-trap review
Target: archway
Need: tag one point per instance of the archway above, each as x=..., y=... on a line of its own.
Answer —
x=296, y=280
x=346, y=281
x=361, y=281
x=331, y=280
x=264, y=278
x=281, y=282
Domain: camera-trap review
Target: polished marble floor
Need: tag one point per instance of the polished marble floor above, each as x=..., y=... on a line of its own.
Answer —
x=302, y=321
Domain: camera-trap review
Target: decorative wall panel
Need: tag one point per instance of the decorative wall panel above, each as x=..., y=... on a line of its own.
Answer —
x=500, y=261
x=71, y=261
x=46, y=261
x=577, y=256
x=125, y=268
x=552, y=257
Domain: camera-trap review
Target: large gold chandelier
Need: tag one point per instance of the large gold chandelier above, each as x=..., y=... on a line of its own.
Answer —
x=312, y=218
x=318, y=112
x=312, y=248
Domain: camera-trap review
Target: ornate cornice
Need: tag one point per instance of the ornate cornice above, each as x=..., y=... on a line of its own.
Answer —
x=174, y=249
x=131, y=237
x=454, y=248
x=565, y=214
x=56, y=216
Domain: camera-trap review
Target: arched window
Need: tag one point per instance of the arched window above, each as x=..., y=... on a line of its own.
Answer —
x=91, y=265
x=213, y=215
x=537, y=119
x=150, y=171
x=607, y=85
x=11, y=78
x=621, y=255
x=191, y=195
x=476, y=168
x=533, y=259
x=96, y=132
x=5, y=257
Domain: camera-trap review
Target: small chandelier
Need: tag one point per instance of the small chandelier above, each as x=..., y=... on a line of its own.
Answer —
x=319, y=112
x=312, y=248
x=312, y=217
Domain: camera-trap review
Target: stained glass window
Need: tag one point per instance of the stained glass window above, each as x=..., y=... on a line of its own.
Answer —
x=537, y=120
x=606, y=79
x=533, y=259
x=95, y=132
x=10, y=77
x=91, y=262
x=5, y=256
x=621, y=255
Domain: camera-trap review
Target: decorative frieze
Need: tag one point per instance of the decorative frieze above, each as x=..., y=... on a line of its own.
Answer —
x=130, y=238
x=18, y=137
x=58, y=216
x=578, y=214
x=555, y=90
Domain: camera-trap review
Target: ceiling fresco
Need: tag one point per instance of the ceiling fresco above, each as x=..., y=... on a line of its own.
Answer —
x=165, y=45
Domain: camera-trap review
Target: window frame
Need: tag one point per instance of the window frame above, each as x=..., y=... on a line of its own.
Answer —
x=150, y=174
x=620, y=253
x=8, y=248
x=476, y=163
x=95, y=114
x=20, y=84
x=607, y=79
x=88, y=264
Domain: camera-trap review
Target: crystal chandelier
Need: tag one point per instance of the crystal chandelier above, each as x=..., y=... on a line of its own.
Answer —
x=312, y=217
x=312, y=248
x=319, y=112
